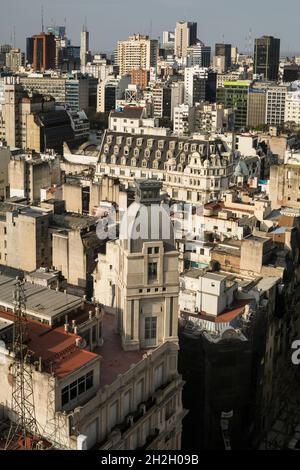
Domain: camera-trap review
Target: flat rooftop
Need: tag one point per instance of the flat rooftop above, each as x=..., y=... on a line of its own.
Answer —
x=55, y=347
x=41, y=302
x=114, y=360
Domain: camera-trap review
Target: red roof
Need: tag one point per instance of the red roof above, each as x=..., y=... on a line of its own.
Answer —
x=56, y=347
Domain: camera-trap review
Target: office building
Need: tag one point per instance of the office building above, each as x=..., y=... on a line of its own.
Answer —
x=275, y=105
x=224, y=50
x=235, y=95
x=43, y=52
x=266, y=57
x=109, y=91
x=257, y=101
x=185, y=36
x=200, y=85
x=84, y=46
x=198, y=54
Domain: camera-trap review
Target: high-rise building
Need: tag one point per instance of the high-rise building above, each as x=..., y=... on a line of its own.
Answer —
x=29, y=50
x=58, y=31
x=266, y=57
x=257, y=105
x=200, y=85
x=292, y=107
x=137, y=52
x=235, y=95
x=185, y=36
x=44, y=52
x=14, y=59
x=84, y=46
x=275, y=105
x=198, y=54
x=140, y=77
x=224, y=50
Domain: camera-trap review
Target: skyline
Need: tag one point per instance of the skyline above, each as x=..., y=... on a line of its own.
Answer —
x=165, y=13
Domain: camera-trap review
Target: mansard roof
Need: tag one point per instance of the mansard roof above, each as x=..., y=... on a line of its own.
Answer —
x=121, y=148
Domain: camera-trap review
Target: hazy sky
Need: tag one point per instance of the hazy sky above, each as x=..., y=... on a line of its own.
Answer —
x=110, y=20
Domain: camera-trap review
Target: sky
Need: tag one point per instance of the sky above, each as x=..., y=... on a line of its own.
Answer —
x=111, y=20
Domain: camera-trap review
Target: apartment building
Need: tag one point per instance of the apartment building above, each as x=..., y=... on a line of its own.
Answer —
x=275, y=105
x=29, y=172
x=137, y=52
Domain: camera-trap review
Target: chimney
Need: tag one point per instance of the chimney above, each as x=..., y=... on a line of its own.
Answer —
x=67, y=327
x=40, y=364
x=90, y=315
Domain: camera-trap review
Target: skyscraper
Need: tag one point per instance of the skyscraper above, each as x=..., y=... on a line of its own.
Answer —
x=185, y=36
x=44, y=52
x=266, y=57
x=84, y=46
x=224, y=50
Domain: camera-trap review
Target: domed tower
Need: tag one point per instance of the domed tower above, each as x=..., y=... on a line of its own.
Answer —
x=148, y=278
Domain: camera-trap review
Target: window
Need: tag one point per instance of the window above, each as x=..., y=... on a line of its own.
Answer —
x=76, y=388
x=158, y=376
x=113, y=414
x=152, y=271
x=150, y=327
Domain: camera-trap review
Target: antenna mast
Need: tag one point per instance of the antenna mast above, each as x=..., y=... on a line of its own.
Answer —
x=23, y=431
x=42, y=14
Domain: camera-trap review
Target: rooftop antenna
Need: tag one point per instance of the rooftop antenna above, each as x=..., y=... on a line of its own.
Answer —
x=150, y=31
x=42, y=15
x=223, y=38
x=14, y=36
x=250, y=41
x=65, y=25
x=23, y=430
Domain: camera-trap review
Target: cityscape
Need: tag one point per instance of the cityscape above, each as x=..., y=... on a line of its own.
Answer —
x=149, y=241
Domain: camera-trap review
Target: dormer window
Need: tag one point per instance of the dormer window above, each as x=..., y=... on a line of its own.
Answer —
x=150, y=143
x=109, y=139
x=139, y=142
x=136, y=152
x=144, y=163
x=193, y=147
x=113, y=160
x=116, y=149
x=133, y=162
x=158, y=154
x=129, y=140
x=106, y=148
x=161, y=144
x=123, y=161
x=147, y=153
x=186, y=147
x=103, y=159
x=119, y=140
x=172, y=145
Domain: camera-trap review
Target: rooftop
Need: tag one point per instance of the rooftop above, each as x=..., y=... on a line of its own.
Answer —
x=55, y=347
x=115, y=360
x=130, y=113
x=41, y=302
